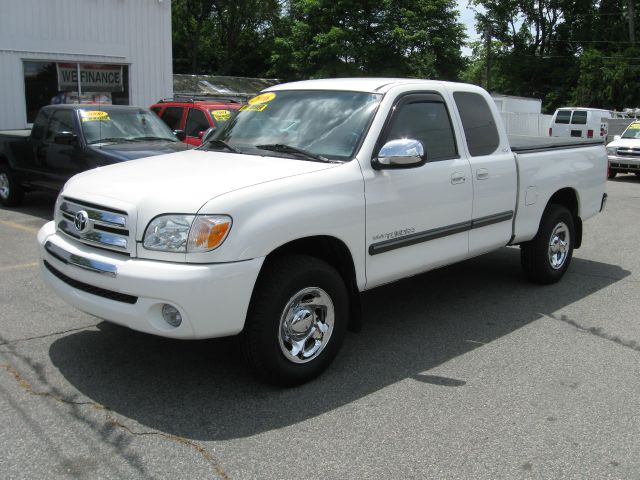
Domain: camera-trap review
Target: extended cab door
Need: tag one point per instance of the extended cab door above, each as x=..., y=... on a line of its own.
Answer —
x=417, y=218
x=493, y=172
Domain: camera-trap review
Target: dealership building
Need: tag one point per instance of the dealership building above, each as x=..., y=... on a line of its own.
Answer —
x=82, y=51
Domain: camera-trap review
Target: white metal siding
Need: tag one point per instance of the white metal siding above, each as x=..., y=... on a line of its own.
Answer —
x=530, y=124
x=134, y=32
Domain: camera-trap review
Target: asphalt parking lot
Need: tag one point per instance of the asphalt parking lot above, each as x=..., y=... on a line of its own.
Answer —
x=464, y=372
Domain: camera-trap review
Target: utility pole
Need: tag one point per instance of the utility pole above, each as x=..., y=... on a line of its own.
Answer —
x=631, y=11
x=487, y=37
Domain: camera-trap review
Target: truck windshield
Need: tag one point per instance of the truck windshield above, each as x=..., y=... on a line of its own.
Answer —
x=308, y=125
x=632, y=131
x=113, y=126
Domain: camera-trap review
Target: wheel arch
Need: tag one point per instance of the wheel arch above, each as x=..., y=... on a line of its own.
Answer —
x=334, y=252
x=568, y=198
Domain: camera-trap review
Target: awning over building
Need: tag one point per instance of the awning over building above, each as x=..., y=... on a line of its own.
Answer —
x=202, y=85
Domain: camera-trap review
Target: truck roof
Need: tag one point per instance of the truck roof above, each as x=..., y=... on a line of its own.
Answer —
x=368, y=85
x=91, y=106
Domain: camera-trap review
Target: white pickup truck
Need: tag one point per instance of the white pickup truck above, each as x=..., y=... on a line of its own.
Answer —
x=315, y=192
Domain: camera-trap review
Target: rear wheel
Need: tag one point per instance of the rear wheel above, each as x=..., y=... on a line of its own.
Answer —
x=612, y=173
x=547, y=256
x=296, y=321
x=11, y=192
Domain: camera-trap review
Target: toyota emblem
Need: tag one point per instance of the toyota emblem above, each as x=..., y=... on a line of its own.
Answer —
x=81, y=221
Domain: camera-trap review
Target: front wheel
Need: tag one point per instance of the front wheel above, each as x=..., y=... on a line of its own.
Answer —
x=296, y=321
x=11, y=192
x=547, y=256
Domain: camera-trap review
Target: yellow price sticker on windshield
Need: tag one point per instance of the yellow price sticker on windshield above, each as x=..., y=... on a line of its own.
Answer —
x=92, y=115
x=221, y=115
x=634, y=126
x=253, y=108
x=264, y=98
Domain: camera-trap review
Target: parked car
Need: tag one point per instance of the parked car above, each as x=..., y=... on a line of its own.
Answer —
x=196, y=116
x=580, y=123
x=624, y=151
x=318, y=191
x=69, y=139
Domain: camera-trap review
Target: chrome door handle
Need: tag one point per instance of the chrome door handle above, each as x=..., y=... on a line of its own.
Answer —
x=482, y=174
x=457, y=177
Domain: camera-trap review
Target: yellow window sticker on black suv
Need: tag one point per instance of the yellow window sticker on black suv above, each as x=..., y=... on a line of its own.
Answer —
x=93, y=115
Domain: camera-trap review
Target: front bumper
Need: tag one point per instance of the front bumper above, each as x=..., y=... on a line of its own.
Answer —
x=212, y=298
x=624, y=163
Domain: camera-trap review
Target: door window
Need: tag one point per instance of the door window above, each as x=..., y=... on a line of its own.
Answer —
x=425, y=118
x=61, y=121
x=173, y=117
x=196, y=122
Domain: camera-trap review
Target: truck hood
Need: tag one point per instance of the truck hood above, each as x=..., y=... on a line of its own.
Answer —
x=625, y=142
x=130, y=151
x=181, y=182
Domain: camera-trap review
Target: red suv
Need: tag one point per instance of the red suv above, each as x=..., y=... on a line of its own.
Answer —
x=194, y=116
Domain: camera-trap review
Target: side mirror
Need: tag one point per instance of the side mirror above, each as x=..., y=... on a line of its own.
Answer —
x=208, y=134
x=180, y=134
x=616, y=137
x=400, y=153
x=65, y=138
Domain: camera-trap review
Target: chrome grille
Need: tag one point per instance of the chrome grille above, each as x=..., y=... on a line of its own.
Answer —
x=628, y=152
x=95, y=225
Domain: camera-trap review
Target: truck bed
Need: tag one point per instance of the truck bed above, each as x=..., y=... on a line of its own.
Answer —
x=524, y=144
x=15, y=133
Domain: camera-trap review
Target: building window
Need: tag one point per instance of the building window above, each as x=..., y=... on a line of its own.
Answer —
x=48, y=83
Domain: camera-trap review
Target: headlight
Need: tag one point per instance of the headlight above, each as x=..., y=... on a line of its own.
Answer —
x=611, y=150
x=186, y=233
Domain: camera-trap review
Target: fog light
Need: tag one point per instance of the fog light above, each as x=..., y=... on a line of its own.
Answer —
x=171, y=315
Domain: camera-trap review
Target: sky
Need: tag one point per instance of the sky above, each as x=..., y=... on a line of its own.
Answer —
x=467, y=17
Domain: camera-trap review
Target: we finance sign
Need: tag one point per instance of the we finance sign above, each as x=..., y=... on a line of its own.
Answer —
x=92, y=78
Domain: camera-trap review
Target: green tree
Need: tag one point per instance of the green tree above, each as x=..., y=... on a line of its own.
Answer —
x=324, y=38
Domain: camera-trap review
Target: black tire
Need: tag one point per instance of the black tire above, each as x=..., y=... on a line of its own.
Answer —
x=612, y=174
x=11, y=193
x=263, y=339
x=537, y=257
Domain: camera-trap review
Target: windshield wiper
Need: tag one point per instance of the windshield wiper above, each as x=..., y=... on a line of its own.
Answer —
x=111, y=139
x=282, y=148
x=223, y=144
x=142, y=139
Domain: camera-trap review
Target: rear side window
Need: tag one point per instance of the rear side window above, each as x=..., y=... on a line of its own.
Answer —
x=563, y=116
x=156, y=110
x=579, y=118
x=478, y=123
x=172, y=117
x=196, y=123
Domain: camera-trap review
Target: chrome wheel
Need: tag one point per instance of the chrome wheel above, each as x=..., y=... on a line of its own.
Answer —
x=559, y=245
x=306, y=324
x=4, y=186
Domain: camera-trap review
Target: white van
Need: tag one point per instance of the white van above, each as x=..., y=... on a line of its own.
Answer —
x=580, y=123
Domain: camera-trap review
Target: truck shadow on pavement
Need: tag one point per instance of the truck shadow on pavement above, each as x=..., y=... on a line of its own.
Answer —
x=36, y=204
x=202, y=391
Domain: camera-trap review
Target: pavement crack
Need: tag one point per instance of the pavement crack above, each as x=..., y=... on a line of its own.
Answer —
x=27, y=387
x=114, y=422
x=599, y=332
x=53, y=334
